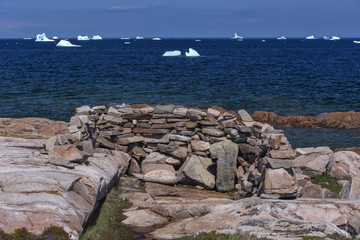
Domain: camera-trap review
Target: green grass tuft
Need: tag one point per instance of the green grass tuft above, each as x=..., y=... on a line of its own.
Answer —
x=325, y=181
x=106, y=222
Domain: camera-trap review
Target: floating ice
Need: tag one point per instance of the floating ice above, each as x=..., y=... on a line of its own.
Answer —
x=237, y=36
x=358, y=42
x=192, y=53
x=263, y=40
x=96, y=37
x=334, y=38
x=126, y=42
x=55, y=38
x=156, y=39
x=174, y=53
x=83, y=38
x=281, y=38
x=27, y=38
x=197, y=40
x=139, y=37
x=43, y=38
x=65, y=43
x=326, y=38
x=312, y=37
x=124, y=38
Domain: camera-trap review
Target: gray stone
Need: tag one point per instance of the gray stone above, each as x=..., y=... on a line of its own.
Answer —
x=245, y=116
x=213, y=132
x=311, y=190
x=103, y=142
x=288, y=154
x=130, y=140
x=134, y=167
x=151, y=167
x=154, y=158
x=226, y=153
x=196, y=168
x=279, y=163
x=344, y=165
x=179, y=138
x=213, y=113
x=164, y=109
x=351, y=190
x=83, y=109
x=198, y=145
x=180, y=111
x=280, y=182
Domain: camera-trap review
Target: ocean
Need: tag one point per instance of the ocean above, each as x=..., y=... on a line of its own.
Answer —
x=292, y=77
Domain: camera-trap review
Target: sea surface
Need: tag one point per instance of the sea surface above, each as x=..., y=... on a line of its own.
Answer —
x=296, y=76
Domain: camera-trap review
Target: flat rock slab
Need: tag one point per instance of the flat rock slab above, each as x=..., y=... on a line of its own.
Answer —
x=273, y=219
x=35, y=194
x=142, y=219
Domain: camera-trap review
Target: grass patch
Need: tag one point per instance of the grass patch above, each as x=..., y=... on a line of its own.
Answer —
x=326, y=181
x=214, y=236
x=49, y=233
x=142, y=186
x=106, y=222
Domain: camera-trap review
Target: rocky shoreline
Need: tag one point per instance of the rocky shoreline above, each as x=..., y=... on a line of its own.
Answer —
x=67, y=168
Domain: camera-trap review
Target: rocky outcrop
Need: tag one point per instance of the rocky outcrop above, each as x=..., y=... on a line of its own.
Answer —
x=31, y=127
x=35, y=194
x=189, y=212
x=347, y=120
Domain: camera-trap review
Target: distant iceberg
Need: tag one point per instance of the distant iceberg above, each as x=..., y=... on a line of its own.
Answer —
x=124, y=38
x=156, y=39
x=312, y=37
x=263, y=40
x=358, y=42
x=55, y=38
x=326, y=38
x=334, y=38
x=139, y=37
x=96, y=37
x=281, y=38
x=83, y=38
x=172, y=53
x=127, y=42
x=65, y=43
x=192, y=53
x=43, y=38
x=27, y=38
x=237, y=36
x=197, y=40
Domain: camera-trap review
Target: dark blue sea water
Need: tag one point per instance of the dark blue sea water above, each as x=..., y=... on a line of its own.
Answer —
x=302, y=77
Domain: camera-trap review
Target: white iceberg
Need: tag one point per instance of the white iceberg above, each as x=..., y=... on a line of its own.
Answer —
x=156, y=39
x=96, y=37
x=263, y=40
x=27, y=38
x=174, y=53
x=55, y=38
x=326, y=38
x=65, y=43
x=334, y=38
x=312, y=37
x=237, y=36
x=124, y=38
x=281, y=38
x=192, y=53
x=358, y=42
x=139, y=37
x=43, y=38
x=197, y=40
x=126, y=42
x=83, y=38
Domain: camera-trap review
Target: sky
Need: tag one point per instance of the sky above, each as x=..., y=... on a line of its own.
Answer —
x=179, y=18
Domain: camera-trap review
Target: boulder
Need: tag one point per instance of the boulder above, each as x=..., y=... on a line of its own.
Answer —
x=344, y=165
x=197, y=169
x=134, y=167
x=245, y=116
x=311, y=190
x=65, y=155
x=212, y=113
x=280, y=183
x=351, y=190
x=226, y=153
x=312, y=161
x=154, y=158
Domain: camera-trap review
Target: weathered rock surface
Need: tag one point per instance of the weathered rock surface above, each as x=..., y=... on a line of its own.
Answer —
x=348, y=120
x=36, y=195
x=312, y=161
x=31, y=127
x=226, y=153
x=197, y=169
x=344, y=165
x=280, y=183
x=351, y=190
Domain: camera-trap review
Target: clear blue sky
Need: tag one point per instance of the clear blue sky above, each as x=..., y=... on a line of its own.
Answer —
x=180, y=18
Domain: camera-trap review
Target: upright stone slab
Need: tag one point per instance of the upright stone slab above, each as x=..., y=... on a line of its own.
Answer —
x=226, y=153
x=196, y=168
